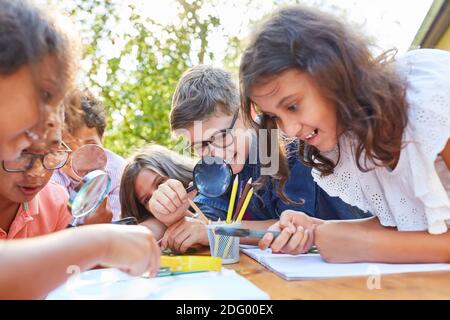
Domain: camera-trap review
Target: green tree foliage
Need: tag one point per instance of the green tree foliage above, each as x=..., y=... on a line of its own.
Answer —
x=134, y=62
x=138, y=80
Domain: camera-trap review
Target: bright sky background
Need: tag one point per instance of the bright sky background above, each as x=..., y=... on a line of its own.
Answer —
x=392, y=23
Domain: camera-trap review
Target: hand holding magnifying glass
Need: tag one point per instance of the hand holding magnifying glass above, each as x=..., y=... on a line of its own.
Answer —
x=89, y=194
x=89, y=200
x=211, y=177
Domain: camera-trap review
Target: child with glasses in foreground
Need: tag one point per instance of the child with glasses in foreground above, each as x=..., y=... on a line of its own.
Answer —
x=30, y=204
x=37, y=65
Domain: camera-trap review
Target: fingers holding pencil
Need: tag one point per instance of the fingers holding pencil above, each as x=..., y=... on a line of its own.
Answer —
x=198, y=211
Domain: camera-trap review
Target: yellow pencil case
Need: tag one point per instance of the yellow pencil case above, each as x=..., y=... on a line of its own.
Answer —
x=191, y=263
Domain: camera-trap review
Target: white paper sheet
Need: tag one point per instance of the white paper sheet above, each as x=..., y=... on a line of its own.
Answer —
x=107, y=284
x=312, y=266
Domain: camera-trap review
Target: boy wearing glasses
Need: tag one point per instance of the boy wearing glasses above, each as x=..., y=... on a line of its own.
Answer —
x=85, y=123
x=205, y=110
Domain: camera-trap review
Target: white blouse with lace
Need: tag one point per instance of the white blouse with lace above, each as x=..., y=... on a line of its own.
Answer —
x=415, y=195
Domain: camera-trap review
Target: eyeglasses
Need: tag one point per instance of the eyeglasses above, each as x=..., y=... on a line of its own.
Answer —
x=220, y=139
x=50, y=161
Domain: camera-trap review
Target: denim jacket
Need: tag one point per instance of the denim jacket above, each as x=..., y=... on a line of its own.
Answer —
x=266, y=204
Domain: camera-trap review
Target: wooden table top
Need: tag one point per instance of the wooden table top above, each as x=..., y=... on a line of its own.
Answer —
x=430, y=285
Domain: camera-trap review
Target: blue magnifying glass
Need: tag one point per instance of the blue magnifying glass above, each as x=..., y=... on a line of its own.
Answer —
x=211, y=177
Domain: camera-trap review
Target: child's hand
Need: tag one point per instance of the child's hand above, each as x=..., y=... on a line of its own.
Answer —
x=169, y=202
x=103, y=214
x=297, y=234
x=132, y=249
x=184, y=234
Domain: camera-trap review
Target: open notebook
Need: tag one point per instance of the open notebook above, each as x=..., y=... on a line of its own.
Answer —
x=312, y=266
x=104, y=284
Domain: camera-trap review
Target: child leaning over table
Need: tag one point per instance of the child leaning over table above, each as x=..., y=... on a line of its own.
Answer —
x=30, y=204
x=208, y=95
x=144, y=173
x=38, y=60
x=375, y=130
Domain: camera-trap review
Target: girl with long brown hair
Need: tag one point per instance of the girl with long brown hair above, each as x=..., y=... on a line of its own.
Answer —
x=375, y=130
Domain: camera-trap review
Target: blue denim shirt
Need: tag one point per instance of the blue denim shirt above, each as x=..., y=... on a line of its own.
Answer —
x=266, y=204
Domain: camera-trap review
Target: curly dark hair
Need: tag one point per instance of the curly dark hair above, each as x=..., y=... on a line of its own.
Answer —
x=83, y=108
x=368, y=94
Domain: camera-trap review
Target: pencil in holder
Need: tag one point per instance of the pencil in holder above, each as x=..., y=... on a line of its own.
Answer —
x=225, y=247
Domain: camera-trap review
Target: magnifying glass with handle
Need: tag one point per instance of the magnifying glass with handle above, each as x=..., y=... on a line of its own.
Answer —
x=89, y=194
x=212, y=177
x=89, y=162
